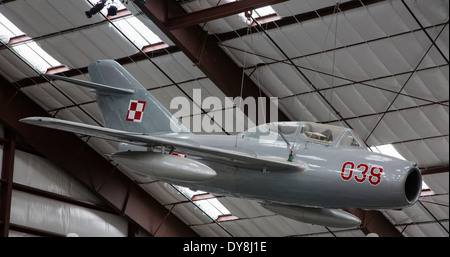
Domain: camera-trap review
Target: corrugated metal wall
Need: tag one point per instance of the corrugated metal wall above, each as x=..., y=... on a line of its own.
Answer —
x=36, y=209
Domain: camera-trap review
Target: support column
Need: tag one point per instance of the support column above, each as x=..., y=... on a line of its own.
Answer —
x=6, y=180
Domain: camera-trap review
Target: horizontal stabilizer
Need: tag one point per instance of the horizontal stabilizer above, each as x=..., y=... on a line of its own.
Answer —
x=100, y=88
x=185, y=146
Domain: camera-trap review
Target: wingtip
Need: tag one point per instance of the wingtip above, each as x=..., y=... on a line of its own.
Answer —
x=25, y=120
x=31, y=120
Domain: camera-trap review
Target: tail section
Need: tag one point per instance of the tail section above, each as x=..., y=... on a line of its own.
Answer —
x=138, y=111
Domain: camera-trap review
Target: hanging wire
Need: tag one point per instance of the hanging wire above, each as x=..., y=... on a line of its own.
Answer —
x=248, y=15
x=336, y=11
x=253, y=51
x=320, y=59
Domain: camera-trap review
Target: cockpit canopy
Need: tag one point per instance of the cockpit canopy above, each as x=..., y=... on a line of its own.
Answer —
x=293, y=132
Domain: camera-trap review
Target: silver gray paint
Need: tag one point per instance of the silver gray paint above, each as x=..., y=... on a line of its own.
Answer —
x=294, y=193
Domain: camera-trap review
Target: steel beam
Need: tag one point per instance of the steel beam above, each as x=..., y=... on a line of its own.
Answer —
x=6, y=181
x=435, y=170
x=376, y=222
x=298, y=18
x=203, y=52
x=34, y=231
x=62, y=198
x=217, y=12
x=75, y=157
x=31, y=81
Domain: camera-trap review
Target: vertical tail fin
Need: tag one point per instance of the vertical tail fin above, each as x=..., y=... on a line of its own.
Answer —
x=137, y=111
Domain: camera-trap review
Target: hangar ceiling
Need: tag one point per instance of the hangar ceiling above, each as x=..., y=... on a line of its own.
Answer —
x=379, y=67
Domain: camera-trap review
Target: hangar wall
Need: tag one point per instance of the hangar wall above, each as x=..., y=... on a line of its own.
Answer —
x=48, y=200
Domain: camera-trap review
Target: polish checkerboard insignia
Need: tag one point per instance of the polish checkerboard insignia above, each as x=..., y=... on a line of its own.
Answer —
x=135, y=110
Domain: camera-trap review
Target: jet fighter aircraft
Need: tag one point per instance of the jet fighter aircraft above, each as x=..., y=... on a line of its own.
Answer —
x=301, y=170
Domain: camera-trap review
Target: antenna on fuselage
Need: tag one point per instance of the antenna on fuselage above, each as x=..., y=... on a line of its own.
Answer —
x=284, y=138
x=291, y=151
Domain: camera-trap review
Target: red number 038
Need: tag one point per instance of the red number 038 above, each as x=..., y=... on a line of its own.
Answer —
x=348, y=169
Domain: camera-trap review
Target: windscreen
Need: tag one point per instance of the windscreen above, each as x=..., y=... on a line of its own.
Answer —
x=322, y=133
x=292, y=132
x=348, y=139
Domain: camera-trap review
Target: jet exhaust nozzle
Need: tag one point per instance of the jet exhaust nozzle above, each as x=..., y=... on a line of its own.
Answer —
x=413, y=185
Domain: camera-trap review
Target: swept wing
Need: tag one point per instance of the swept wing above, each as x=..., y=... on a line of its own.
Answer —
x=210, y=153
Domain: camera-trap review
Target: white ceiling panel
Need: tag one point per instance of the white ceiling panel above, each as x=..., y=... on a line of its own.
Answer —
x=178, y=66
x=270, y=81
x=73, y=49
x=430, y=84
x=395, y=125
x=37, y=18
x=357, y=100
x=148, y=74
x=167, y=95
x=422, y=153
x=415, y=213
x=364, y=24
x=47, y=96
x=12, y=68
x=388, y=54
x=437, y=207
x=386, y=16
x=304, y=44
x=426, y=229
x=439, y=183
x=211, y=230
x=427, y=122
x=427, y=11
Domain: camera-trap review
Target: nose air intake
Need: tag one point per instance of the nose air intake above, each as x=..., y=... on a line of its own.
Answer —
x=413, y=185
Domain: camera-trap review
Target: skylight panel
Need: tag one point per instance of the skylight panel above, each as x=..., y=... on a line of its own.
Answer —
x=37, y=57
x=137, y=32
x=263, y=11
x=210, y=206
x=30, y=50
x=8, y=29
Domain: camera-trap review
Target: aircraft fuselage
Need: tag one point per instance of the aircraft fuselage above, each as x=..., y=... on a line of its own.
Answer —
x=345, y=178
